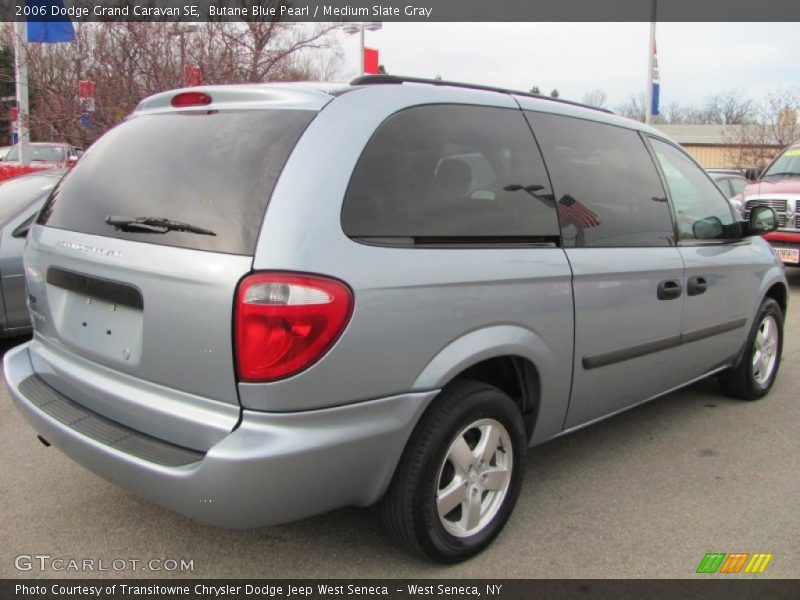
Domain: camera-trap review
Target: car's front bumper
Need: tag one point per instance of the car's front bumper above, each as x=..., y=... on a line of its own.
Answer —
x=272, y=468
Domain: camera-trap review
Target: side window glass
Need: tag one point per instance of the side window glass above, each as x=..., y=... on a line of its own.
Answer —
x=738, y=186
x=701, y=210
x=607, y=189
x=724, y=186
x=450, y=171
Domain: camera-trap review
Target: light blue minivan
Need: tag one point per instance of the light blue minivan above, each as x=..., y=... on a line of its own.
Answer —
x=256, y=303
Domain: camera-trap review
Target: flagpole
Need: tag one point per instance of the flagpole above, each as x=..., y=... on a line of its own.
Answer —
x=651, y=66
x=21, y=78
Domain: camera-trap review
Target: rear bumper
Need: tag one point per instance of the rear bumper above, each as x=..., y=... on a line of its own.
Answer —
x=273, y=468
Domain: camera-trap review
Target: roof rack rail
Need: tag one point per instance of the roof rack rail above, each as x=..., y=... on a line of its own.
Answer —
x=398, y=79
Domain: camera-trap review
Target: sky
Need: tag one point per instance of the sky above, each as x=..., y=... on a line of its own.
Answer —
x=696, y=60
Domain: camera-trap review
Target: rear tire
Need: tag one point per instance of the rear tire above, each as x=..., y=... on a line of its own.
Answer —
x=460, y=474
x=756, y=372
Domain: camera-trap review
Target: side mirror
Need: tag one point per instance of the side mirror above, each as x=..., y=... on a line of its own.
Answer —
x=752, y=173
x=709, y=228
x=763, y=219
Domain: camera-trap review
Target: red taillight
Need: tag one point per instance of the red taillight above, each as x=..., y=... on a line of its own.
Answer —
x=285, y=322
x=185, y=99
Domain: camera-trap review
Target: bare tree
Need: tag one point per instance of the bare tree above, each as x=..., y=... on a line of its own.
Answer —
x=596, y=98
x=675, y=114
x=6, y=91
x=129, y=61
x=258, y=51
x=776, y=126
x=779, y=114
x=730, y=107
x=634, y=108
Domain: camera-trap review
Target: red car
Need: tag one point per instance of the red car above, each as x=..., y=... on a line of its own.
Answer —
x=44, y=155
x=778, y=186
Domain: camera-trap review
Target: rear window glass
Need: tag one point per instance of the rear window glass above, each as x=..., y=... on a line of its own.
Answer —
x=448, y=171
x=214, y=171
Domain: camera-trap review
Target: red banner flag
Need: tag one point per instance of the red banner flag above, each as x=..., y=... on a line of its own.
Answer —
x=85, y=89
x=191, y=76
x=370, y=61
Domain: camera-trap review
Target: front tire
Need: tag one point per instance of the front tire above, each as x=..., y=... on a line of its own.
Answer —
x=460, y=475
x=756, y=372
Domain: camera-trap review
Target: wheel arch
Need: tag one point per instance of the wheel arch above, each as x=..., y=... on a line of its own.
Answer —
x=513, y=359
x=776, y=288
x=778, y=292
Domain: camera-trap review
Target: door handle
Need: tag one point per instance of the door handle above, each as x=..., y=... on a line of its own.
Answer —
x=696, y=286
x=669, y=289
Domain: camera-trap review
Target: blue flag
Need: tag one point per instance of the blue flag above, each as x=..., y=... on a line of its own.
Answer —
x=49, y=28
x=656, y=94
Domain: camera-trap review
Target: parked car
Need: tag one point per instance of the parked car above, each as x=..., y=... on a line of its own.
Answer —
x=254, y=316
x=42, y=156
x=730, y=183
x=20, y=200
x=778, y=186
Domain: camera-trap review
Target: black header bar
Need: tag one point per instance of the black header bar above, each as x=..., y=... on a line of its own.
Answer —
x=419, y=11
x=707, y=587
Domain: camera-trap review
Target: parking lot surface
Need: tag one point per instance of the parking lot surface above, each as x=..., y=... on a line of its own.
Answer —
x=644, y=494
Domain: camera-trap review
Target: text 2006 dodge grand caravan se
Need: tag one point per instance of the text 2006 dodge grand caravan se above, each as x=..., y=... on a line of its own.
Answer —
x=257, y=303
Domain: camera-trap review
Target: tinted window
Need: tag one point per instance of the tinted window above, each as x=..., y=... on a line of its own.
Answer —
x=215, y=171
x=738, y=185
x=607, y=187
x=450, y=172
x=724, y=186
x=694, y=195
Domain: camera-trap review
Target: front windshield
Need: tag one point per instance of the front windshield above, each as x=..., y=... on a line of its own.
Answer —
x=39, y=153
x=786, y=165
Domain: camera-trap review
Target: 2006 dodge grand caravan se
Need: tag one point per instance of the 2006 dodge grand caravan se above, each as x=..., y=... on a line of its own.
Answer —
x=258, y=303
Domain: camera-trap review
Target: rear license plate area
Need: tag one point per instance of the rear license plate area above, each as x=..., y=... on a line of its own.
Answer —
x=96, y=316
x=788, y=255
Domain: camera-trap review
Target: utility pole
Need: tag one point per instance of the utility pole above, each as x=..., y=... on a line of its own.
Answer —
x=21, y=77
x=651, y=65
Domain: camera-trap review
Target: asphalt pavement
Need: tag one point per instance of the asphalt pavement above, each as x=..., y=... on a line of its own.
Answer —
x=644, y=494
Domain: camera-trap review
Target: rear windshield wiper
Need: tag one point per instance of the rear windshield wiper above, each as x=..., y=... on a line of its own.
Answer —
x=153, y=225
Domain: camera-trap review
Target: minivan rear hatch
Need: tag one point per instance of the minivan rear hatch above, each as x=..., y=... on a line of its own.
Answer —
x=133, y=265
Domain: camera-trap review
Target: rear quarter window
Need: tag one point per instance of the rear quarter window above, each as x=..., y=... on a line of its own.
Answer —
x=450, y=172
x=213, y=170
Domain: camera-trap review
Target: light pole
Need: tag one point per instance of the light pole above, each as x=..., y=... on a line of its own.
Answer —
x=21, y=69
x=181, y=29
x=358, y=27
x=651, y=65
